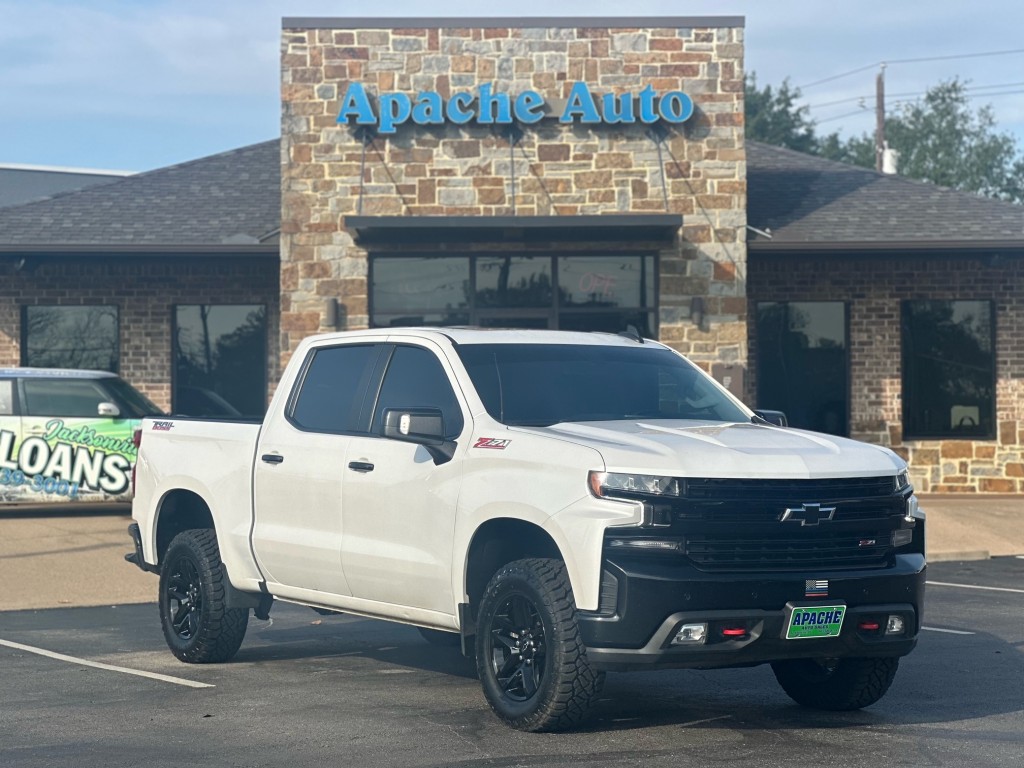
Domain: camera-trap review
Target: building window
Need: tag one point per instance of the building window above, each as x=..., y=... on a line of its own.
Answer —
x=803, y=363
x=581, y=292
x=220, y=360
x=948, y=369
x=84, y=337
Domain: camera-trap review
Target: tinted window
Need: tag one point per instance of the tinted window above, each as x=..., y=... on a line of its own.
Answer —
x=220, y=360
x=541, y=384
x=332, y=391
x=948, y=369
x=133, y=403
x=71, y=337
x=802, y=363
x=415, y=379
x=63, y=397
x=6, y=397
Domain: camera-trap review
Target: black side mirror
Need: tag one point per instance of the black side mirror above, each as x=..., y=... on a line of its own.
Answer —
x=778, y=418
x=422, y=426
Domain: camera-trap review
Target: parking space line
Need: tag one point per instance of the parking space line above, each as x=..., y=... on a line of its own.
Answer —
x=948, y=631
x=974, y=586
x=101, y=665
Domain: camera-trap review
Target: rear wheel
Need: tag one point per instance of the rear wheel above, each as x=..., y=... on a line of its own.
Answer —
x=836, y=684
x=530, y=658
x=198, y=625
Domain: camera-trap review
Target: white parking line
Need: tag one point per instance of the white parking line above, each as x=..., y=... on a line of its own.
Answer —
x=948, y=631
x=100, y=665
x=974, y=586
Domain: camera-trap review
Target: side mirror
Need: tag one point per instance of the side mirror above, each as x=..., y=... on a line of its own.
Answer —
x=422, y=426
x=108, y=409
x=778, y=418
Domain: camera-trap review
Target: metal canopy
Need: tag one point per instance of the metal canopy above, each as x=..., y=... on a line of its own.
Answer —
x=626, y=227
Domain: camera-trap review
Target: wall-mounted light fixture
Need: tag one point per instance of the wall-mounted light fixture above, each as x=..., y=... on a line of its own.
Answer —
x=335, y=314
x=697, y=314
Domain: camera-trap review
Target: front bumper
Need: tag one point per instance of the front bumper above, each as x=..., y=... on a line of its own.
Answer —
x=650, y=600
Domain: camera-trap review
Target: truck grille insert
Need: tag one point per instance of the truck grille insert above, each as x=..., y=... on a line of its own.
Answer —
x=829, y=551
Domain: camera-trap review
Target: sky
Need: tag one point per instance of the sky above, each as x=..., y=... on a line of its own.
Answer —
x=140, y=84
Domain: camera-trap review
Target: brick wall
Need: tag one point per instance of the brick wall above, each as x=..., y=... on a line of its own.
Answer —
x=145, y=293
x=873, y=289
x=466, y=171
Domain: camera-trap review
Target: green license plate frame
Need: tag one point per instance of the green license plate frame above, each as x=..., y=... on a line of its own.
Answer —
x=814, y=622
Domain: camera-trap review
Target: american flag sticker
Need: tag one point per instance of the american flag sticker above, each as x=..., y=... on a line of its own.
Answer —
x=816, y=588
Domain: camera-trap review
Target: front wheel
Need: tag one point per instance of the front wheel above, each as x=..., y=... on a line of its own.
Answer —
x=836, y=684
x=531, y=661
x=198, y=625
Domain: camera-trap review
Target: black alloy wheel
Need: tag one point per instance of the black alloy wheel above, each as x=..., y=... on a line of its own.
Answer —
x=517, y=647
x=184, y=598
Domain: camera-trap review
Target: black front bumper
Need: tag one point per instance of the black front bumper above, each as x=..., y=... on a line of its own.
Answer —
x=649, y=599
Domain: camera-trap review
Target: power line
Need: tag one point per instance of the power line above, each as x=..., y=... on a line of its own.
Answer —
x=969, y=88
x=912, y=61
x=870, y=110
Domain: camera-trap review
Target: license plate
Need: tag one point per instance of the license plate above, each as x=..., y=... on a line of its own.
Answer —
x=815, y=621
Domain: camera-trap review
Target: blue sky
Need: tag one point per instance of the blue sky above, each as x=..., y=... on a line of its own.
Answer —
x=138, y=84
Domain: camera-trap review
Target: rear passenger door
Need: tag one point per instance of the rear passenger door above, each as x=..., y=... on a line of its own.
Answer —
x=398, y=505
x=300, y=468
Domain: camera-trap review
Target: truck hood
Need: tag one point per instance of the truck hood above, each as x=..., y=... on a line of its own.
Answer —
x=716, y=449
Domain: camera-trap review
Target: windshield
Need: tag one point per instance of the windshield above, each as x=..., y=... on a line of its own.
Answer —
x=542, y=384
x=138, y=404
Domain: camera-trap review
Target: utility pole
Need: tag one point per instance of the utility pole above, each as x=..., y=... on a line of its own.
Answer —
x=880, y=117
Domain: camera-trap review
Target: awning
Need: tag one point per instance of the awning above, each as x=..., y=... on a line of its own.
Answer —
x=625, y=227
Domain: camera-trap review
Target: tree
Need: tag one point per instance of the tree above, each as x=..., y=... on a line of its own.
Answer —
x=940, y=138
x=773, y=117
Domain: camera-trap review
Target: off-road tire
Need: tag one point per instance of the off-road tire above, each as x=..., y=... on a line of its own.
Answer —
x=440, y=638
x=548, y=684
x=198, y=625
x=839, y=685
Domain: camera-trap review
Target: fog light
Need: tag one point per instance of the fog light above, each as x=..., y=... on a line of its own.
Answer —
x=691, y=634
x=902, y=537
x=894, y=626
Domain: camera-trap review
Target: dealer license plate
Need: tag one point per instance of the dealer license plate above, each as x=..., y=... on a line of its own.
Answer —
x=815, y=621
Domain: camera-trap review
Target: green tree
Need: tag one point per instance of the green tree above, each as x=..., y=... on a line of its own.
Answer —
x=773, y=117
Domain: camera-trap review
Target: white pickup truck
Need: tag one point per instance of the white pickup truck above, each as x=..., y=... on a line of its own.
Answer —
x=565, y=503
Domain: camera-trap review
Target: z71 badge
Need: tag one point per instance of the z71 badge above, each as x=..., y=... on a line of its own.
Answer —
x=492, y=442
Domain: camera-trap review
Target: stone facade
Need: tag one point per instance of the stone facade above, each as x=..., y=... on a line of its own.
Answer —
x=873, y=289
x=699, y=170
x=145, y=291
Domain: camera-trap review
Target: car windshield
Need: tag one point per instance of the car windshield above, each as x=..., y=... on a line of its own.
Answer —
x=543, y=384
x=137, y=403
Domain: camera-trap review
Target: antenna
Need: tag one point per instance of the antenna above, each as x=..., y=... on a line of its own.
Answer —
x=632, y=333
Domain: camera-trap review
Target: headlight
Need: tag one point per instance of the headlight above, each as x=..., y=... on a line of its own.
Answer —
x=614, y=485
x=902, y=480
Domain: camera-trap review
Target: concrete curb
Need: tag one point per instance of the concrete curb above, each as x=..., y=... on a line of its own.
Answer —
x=967, y=554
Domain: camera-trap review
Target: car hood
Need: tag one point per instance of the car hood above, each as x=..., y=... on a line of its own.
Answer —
x=715, y=449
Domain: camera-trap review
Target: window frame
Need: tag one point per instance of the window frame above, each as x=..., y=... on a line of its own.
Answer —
x=949, y=434
x=26, y=308
x=552, y=313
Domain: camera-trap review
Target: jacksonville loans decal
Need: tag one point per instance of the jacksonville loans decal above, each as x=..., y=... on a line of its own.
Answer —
x=65, y=459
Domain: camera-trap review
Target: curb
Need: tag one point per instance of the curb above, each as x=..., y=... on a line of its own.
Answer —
x=965, y=554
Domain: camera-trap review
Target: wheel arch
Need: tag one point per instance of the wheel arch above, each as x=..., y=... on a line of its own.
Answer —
x=179, y=510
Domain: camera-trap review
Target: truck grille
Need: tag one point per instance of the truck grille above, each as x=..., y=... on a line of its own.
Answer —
x=831, y=551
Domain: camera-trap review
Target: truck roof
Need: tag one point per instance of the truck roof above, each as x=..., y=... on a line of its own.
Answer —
x=467, y=335
x=55, y=373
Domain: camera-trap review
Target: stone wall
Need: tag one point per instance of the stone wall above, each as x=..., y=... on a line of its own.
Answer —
x=873, y=289
x=145, y=292
x=559, y=170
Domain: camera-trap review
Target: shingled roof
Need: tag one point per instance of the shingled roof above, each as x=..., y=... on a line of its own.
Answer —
x=809, y=203
x=230, y=201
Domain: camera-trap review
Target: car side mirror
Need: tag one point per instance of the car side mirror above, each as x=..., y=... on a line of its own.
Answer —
x=778, y=418
x=422, y=426
x=108, y=409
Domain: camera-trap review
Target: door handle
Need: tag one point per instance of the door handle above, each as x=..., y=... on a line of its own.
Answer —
x=272, y=458
x=361, y=466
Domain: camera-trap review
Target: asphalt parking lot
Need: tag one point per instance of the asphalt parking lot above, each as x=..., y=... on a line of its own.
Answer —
x=355, y=692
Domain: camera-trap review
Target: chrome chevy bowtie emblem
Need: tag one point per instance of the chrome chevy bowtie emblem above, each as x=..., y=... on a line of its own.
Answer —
x=808, y=514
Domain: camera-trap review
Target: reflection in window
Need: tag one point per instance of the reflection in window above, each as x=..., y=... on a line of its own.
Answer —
x=71, y=337
x=220, y=360
x=606, y=281
x=803, y=363
x=68, y=398
x=948, y=369
x=513, y=281
x=420, y=285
